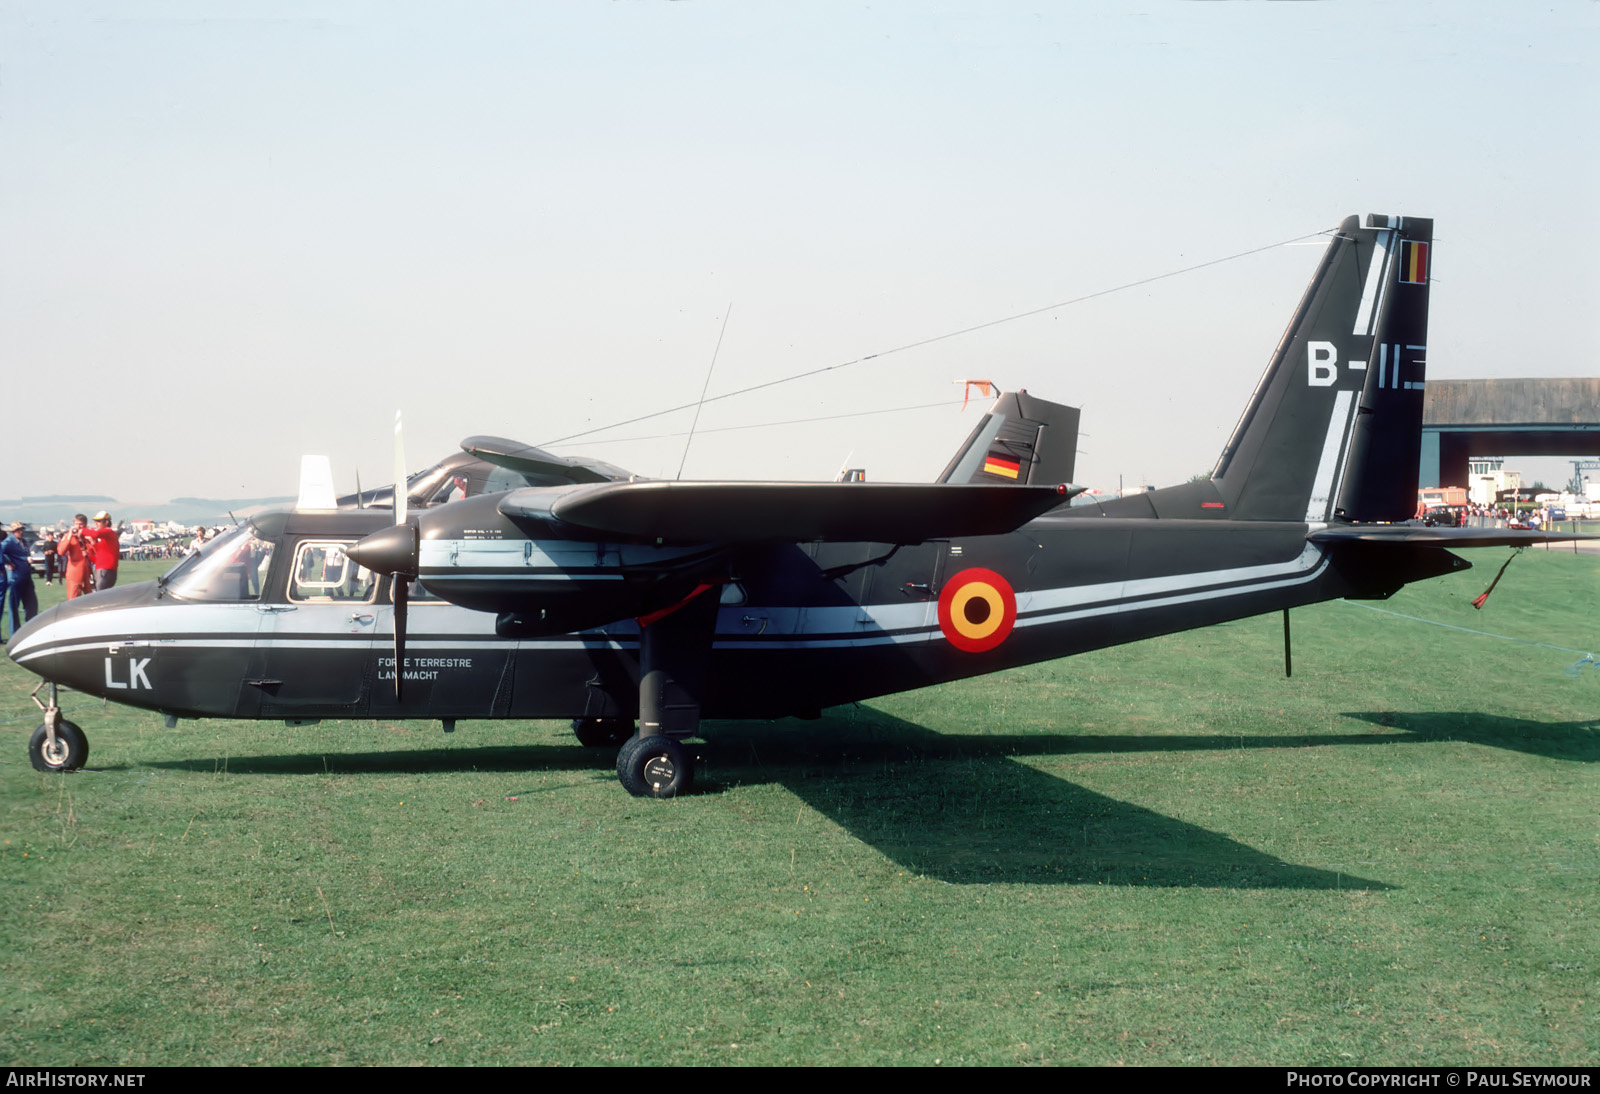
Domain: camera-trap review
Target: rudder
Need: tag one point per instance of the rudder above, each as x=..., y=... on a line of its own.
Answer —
x=1333, y=430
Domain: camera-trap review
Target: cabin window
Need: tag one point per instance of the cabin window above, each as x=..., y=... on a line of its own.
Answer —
x=231, y=567
x=453, y=488
x=324, y=575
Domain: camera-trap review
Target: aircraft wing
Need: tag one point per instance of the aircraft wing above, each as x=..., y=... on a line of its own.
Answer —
x=754, y=512
x=516, y=456
x=1438, y=537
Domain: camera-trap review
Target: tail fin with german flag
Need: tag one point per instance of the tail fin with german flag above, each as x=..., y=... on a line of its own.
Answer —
x=1023, y=440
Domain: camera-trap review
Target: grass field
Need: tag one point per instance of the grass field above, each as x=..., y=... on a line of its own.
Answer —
x=1165, y=853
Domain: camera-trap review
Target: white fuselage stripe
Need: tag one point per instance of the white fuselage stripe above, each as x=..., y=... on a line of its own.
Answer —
x=204, y=625
x=1085, y=612
x=1080, y=595
x=441, y=578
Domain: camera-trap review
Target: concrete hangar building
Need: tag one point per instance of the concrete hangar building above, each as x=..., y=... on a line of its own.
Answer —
x=1472, y=420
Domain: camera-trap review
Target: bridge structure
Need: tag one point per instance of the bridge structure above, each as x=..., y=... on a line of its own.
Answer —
x=1482, y=418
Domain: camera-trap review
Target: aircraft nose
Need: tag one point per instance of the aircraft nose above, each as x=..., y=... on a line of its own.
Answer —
x=31, y=633
x=391, y=551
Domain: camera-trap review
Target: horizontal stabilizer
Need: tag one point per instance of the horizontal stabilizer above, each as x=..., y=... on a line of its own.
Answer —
x=756, y=512
x=1438, y=537
x=539, y=465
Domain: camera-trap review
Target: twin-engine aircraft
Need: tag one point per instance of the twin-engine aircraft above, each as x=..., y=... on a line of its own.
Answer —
x=583, y=593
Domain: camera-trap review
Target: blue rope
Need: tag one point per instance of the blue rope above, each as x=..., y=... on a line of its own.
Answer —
x=1575, y=669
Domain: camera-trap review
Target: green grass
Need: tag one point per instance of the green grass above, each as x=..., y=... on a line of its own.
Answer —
x=1165, y=853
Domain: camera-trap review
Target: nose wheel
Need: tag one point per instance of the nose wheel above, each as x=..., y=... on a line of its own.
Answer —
x=65, y=750
x=57, y=745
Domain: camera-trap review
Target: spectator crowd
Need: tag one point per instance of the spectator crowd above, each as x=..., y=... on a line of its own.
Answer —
x=83, y=557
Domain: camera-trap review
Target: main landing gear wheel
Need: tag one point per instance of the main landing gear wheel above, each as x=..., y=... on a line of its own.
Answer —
x=602, y=732
x=70, y=751
x=655, y=767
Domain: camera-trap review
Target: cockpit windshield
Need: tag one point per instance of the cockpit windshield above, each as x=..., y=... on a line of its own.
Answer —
x=231, y=567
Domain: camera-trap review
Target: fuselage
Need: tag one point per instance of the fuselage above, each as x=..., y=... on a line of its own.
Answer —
x=286, y=630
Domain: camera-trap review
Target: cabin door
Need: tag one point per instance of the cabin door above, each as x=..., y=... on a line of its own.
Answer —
x=314, y=649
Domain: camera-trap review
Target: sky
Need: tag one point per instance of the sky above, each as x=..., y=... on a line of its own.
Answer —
x=234, y=233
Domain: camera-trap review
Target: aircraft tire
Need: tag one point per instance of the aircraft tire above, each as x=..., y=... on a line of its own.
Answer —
x=602, y=732
x=655, y=767
x=71, y=751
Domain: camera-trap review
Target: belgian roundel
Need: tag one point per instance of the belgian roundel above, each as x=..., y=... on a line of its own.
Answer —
x=977, y=610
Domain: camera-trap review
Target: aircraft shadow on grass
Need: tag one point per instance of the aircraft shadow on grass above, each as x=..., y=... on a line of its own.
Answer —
x=1578, y=741
x=961, y=809
x=518, y=758
x=956, y=808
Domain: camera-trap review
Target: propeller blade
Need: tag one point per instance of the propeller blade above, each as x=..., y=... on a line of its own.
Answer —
x=399, y=477
x=401, y=584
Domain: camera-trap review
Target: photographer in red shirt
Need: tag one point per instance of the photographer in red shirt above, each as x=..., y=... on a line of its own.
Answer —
x=106, y=551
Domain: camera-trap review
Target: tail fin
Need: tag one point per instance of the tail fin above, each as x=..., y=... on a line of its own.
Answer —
x=1023, y=440
x=1334, y=429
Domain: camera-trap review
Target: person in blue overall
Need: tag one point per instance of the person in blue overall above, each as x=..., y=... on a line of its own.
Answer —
x=19, y=578
x=5, y=586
